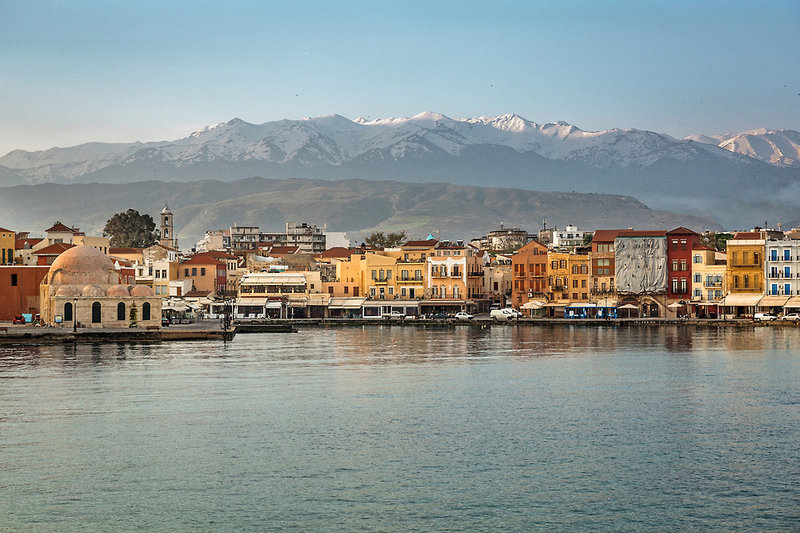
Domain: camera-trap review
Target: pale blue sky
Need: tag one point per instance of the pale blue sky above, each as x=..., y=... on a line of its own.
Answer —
x=74, y=71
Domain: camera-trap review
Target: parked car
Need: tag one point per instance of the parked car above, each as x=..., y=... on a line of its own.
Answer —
x=394, y=315
x=508, y=313
x=764, y=317
x=19, y=319
x=439, y=316
x=794, y=317
x=461, y=315
x=165, y=322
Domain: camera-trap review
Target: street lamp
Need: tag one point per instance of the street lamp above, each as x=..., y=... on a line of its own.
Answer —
x=75, y=316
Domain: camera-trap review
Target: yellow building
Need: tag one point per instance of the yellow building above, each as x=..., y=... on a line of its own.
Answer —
x=744, y=274
x=708, y=281
x=8, y=241
x=568, y=281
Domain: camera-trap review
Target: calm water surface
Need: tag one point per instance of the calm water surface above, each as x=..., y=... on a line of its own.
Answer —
x=399, y=429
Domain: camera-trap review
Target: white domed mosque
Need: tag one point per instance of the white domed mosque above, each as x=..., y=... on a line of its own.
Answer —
x=83, y=286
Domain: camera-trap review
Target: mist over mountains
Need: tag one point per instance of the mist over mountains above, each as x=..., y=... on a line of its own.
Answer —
x=738, y=180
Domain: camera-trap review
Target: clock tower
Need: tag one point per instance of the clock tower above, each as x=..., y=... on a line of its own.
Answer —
x=167, y=231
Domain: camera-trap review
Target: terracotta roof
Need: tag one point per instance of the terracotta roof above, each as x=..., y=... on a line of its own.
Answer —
x=747, y=235
x=58, y=226
x=165, y=247
x=54, y=249
x=195, y=294
x=125, y=250
x=284, y=250
x=703, y=247
x=4, y=230
x=202, y=260
x=643, y=233
x=431, y=242
x=606, y=235
x=20, y=243
x=337, y=251
x=216, y=254
x=682, y=231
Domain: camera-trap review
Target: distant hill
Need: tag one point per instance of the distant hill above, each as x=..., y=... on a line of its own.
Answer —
x=730, y=179
x=355, y=206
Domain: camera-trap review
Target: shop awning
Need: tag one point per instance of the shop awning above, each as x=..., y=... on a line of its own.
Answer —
x=533, y=304
x=741, y=300
x=773, y=301
x=794, y=302
x=346, y=303
x=251, y=302
x=581, y=305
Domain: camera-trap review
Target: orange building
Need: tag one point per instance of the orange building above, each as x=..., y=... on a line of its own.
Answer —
x=19, y=290
x=529, y=265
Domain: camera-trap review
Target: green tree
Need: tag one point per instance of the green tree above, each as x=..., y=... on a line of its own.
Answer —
x=379, y=239
x=129, y=228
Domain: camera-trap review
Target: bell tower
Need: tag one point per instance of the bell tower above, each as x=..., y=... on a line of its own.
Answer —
x=167, y=232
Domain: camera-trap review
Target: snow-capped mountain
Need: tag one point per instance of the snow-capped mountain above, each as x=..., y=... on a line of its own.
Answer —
x=702, y=175
x=781, y=147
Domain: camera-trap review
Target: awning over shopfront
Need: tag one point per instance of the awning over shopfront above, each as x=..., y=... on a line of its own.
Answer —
x=741, y=300
x=582, y=305
x=794, y=302
x=346, y=303
x=533, y=304
x=773, y=301
x=251, y=302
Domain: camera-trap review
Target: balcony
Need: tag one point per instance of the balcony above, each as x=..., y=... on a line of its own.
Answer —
x=477, y=273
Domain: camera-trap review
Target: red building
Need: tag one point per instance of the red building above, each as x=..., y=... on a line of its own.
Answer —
x=680, y=242
x=19, y=290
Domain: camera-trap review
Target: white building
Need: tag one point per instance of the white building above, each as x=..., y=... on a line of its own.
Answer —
x=782, y=268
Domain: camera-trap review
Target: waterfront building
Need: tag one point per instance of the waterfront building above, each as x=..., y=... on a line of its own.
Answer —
x=529, y=274
x=8, y=241
x=602, y=268
x=208, y=275
x=454, y=279
x=744, y=274
x=309, y=238
x=498, y=279
x=19, y=290
x=782, y=275
x=503, y=240
x=640, y=271
x=708, y=281
x=83, y=285
x=281, y=295
x=680, y=242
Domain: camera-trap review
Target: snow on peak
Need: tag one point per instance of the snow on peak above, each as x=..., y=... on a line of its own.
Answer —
x=203, y=131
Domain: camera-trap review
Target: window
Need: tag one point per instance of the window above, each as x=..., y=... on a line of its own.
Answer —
x=683, y=285
x=787, y=272
x=67, y=312
x=146, y=311
x=13, y=280
x=372, y=292
x=96, y=314
x=735, y=282
x=684, y=267
x=746, y=281
x=574, y=283
x=202, y=271
x=697, y=293
x=674, y=265
x=787, y=255
x=697, y=258
x=683, y=244
x=773, y=254
x=345, y=289
x=675, y=244
x=120, y=311
x=755, y=258
x=194, y=271
x=674, y=285
x=774, y=289
x=574, y=269
x=584, y=269
x=574, y=295
x=698, y=278
x=562, y=263
x=554, y=265
x=374, y=274
x=787, y=289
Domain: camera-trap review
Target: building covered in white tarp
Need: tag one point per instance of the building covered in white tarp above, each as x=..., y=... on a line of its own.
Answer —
x=641, y=270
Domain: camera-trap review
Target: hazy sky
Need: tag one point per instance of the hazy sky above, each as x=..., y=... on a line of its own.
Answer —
x=74, y=71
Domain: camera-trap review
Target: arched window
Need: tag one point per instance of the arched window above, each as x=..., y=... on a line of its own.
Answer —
x=96, y=314
x=120, y=311
x=146, y=311
x=67, y=312
x=166, y=233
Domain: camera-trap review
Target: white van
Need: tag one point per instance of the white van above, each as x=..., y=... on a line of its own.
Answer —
x=504, y=314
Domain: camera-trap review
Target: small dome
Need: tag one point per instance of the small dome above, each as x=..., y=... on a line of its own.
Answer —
x=93, y=291
x=118, y=291
x=142, y=291
x=166, y=210
x=82, y=265
x=70, y=291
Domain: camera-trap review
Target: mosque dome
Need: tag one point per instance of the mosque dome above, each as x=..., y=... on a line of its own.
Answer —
x=93, y=291
x=68, y=291
x=83, y=265
x=142, y=291
x=118, y=291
